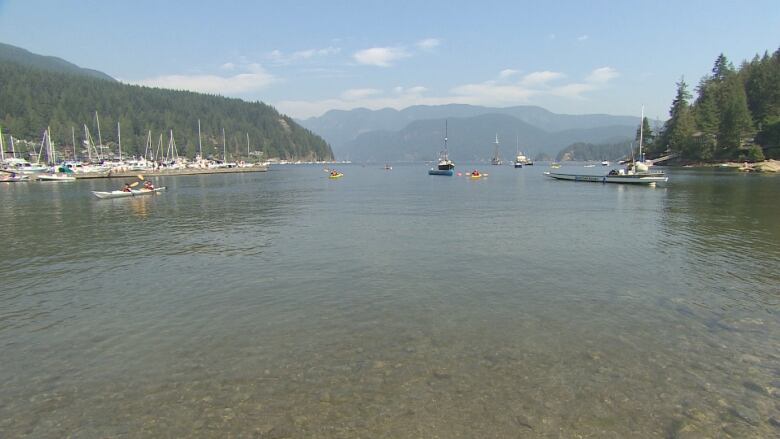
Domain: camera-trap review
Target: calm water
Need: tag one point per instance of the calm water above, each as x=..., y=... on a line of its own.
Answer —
x=392, y=304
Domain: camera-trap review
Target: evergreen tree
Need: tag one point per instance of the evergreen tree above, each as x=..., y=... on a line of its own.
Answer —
x=722, y=68
x=679, y=129
x=735, y=122
x=707, y=118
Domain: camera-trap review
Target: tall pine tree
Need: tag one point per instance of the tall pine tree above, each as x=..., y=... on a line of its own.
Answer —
x=678, y=130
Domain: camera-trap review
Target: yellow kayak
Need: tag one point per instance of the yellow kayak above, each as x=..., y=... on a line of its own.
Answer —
x=335, y=176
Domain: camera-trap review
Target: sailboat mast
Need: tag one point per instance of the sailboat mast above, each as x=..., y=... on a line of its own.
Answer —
x=50, y=154
x=224, y=147
x=119, y=139
x=641, y=126
x=2, y=147
x=200, y=146
x=89, y=145
x=247, y=146
x=100, y=138
x=73, y=139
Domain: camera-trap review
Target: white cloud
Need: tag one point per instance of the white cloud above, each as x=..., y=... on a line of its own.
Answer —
x=507, y=73
x=602, y=75
x=359, y=93
x=582, y=38
x=536, y=79
x=380, y=56
x=280, y=58
x=227, y=66
x=428, y=43
x=572, y=91
x=256, y=79
x=530, y=88
x=491, y=93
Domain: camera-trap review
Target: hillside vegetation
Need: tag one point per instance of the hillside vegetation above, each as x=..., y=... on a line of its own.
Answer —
x=735, y=116
x=32, y=99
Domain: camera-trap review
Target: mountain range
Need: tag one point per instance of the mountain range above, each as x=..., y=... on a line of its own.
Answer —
x=417, y=132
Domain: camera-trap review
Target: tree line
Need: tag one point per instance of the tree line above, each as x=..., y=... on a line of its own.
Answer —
x=735, y=115
x=32, y=100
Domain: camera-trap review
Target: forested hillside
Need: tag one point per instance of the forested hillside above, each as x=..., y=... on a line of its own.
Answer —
x=32, y=99
x=735, y=116
x=584, y=152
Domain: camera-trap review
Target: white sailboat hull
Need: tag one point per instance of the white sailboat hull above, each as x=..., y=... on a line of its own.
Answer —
x=642, y=178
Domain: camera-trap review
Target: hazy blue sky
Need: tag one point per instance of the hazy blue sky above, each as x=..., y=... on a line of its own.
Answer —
x=306, y=57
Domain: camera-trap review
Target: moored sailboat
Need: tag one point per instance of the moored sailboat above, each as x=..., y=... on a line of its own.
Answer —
x=444, y=165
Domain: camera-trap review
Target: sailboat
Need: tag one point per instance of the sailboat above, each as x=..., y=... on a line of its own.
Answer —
x=496, y=160
x=445, y=165
x=635, y=172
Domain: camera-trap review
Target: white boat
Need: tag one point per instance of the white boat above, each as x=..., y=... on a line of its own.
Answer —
x=131, y=193
x=635, y=172
x=59, y=176
x=645, y=178
x=605, y=163
x=445, y=165
x=22, y=166
x=520, y=158
x=11, y=177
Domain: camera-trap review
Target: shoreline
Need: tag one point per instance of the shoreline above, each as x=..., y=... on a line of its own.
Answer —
x=172, y=172
x=769, y=165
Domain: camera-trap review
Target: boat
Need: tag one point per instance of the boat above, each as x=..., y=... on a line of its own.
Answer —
x=605, y=163
x=444, y=165
x=11, y=177
x=388, y=167
x=57, y=176
x=635, y=172
x=614, y=176
x=335, y=174
x=131, y=193
x=496, y=160
x=474, y=175
x=520, y=158
x=555, y=165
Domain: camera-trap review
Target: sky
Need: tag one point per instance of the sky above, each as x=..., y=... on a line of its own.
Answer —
x=308, y=57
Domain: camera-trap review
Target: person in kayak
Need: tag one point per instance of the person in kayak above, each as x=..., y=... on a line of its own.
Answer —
x=475, y=173
x=127, y=188
x=148, y=185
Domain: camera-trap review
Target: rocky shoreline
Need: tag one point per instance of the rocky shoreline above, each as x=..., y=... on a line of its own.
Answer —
x=765, y=166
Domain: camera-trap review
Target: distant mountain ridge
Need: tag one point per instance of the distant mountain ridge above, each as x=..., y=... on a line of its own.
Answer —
x=389, y=134
x=17, y=55
x=472, y=139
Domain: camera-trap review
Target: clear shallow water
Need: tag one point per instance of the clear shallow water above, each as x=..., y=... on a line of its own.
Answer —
x=392, y=304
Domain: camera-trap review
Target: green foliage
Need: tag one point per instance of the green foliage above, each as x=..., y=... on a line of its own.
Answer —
x=733, y=109
x=32, y=99
x=752, y=154
x=589, y=152
x=680, y=128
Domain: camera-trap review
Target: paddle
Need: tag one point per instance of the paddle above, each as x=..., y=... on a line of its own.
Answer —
x=140, y=177
x=134, y=184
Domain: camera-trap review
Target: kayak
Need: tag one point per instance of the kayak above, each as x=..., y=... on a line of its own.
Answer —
x=132, y=193
x=339, y=175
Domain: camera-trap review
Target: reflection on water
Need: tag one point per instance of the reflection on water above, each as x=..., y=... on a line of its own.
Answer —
x=392, y=304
